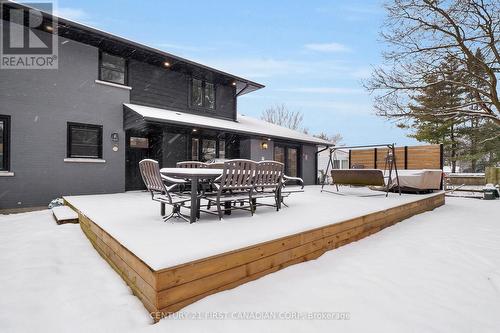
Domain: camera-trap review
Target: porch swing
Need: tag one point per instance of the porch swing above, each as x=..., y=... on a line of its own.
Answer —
x=358, y=176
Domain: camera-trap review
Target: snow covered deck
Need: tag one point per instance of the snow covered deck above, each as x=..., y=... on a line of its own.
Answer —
x=170, y=265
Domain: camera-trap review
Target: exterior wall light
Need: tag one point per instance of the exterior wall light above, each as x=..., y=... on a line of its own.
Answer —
x=264, y=145
x=166, y=64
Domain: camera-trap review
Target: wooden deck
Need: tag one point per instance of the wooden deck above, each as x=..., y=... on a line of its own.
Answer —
x=168, y=290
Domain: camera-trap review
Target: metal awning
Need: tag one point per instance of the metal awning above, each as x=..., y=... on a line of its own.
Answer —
x=244, y=124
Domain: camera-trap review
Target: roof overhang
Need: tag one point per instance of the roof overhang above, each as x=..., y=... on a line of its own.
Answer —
x=244, y=125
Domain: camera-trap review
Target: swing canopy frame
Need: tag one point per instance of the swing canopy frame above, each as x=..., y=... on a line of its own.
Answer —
x=366, y=177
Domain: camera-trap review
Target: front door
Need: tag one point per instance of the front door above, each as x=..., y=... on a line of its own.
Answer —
x=138, y=148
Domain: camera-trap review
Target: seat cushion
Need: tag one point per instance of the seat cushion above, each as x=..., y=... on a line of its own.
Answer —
x=363, y=177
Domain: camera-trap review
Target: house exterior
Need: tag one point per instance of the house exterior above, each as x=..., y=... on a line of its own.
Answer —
x=83, y=128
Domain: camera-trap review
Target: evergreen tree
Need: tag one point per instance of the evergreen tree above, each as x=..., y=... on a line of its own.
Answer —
x=433, y=127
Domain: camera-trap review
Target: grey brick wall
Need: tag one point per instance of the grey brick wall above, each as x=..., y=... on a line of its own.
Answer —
x=40, y=103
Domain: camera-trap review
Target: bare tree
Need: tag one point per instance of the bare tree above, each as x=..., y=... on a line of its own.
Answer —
x=422, y=34
x=334, y=138
x=281, y=115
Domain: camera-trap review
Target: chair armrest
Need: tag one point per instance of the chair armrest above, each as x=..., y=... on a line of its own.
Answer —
x=297, y=179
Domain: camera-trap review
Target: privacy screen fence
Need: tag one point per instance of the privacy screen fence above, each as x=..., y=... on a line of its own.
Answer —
x=407, y=157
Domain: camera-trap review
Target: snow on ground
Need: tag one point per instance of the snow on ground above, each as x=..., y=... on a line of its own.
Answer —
x=439, y=271
x=435, y=272
x=133, y=219
x=52, y=280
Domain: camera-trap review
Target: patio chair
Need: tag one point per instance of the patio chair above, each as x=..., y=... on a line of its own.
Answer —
x=286, y=189
x=195, y=165
x=165, y=195
x=234, y=185
x=215, y=165
x=267, y=182
x=191, y=164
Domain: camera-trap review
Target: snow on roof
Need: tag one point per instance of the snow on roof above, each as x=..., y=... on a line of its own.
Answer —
x=244, y=124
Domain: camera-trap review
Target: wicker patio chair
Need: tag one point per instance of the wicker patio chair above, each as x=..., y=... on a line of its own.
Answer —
x=268, y=181
x=235, y=185
x=154, y=181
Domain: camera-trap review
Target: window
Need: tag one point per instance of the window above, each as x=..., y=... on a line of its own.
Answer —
x=84, y=141
x=209, y=96
x=112, y=68
x=208, y=150
x=202, y=94
x=4, y=142
x=197, y=93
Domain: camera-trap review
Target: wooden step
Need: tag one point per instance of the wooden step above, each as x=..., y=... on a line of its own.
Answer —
x=64, y=214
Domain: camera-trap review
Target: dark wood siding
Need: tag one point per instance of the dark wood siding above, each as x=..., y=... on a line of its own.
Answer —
x=225, y=101
x=165, y=88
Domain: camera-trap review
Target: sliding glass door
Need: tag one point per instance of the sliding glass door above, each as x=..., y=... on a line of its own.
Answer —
x=289, y=156
x=279, y=154
x=292, y=162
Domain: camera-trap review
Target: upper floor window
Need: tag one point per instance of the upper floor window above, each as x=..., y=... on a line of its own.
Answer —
x=4, y=142
x=84, y=141
x=202, y=94
x=112, y=68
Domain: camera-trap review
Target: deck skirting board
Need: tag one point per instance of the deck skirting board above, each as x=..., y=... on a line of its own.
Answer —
x=170, y=289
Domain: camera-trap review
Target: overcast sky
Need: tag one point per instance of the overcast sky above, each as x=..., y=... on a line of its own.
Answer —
x=311, y=55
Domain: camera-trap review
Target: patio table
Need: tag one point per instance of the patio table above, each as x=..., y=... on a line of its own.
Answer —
x=193, y=174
